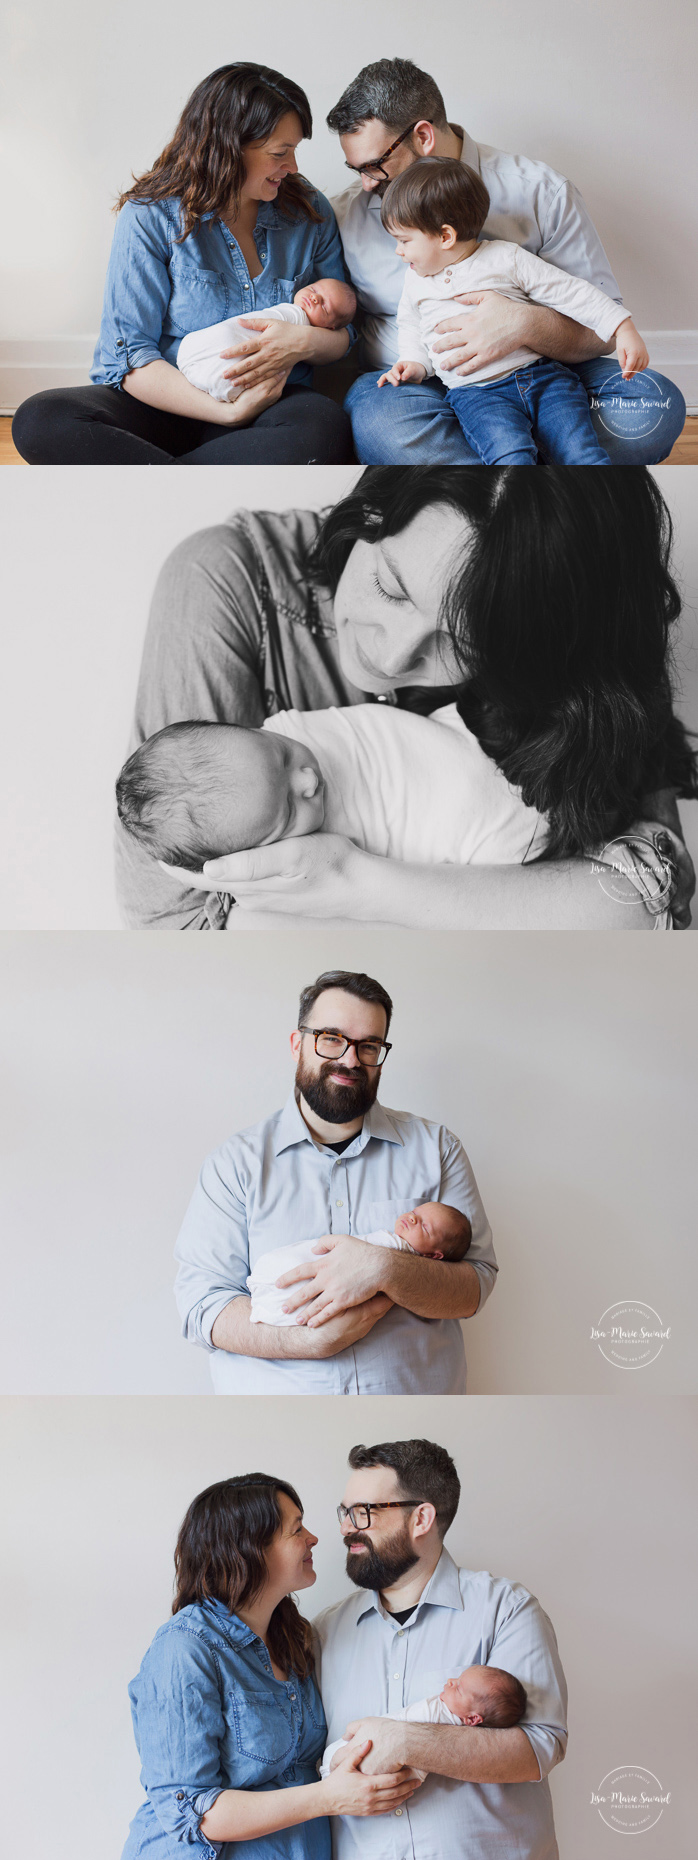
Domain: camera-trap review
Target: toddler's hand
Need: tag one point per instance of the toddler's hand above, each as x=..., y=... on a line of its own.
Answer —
x=632, y=353
x=403, y=371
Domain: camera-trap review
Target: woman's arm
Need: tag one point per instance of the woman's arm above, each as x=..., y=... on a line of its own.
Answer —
x=161, y=385
x=244, y=1814
x=324, y=875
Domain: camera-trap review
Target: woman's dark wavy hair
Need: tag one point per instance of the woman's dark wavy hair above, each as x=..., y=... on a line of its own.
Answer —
x=220, y=1556
x=204, y=167
x=559, y=612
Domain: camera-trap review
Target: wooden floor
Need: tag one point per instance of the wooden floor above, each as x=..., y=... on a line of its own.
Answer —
x=685, y=451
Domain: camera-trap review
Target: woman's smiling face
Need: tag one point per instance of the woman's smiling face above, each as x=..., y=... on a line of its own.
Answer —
x=388, y=605
x=289, y=1556
x=268, y=163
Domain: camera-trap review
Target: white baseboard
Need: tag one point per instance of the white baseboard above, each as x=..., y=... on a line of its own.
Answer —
x=26, y=367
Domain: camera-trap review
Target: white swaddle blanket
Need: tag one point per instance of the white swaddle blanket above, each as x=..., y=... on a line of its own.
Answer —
x=419, y=789
x=268, y=1300
x=425, y=1711
x=199, y=353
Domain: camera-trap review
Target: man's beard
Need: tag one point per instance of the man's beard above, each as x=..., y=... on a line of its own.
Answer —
x=379, y=1569
x=337, y=1104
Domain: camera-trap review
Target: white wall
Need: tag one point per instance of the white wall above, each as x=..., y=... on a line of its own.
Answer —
x=604, y=93
x=565, y=1064
x=585, y=1502
x=81, y=553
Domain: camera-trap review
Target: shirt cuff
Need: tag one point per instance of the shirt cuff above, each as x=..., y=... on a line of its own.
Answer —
x=548, y=1747
x=127, y=356
x=487, y=1275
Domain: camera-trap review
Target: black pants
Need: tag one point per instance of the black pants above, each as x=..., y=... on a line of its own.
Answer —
x=105, y=426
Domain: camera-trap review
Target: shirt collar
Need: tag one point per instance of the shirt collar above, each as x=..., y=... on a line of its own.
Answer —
x=293, y=1129
x=470, y=152
x=442, y=1591
x=231, y=1625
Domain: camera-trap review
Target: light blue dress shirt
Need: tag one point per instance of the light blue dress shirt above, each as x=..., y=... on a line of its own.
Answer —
x=272, y=1186
x=159, y=289
x=368, y=1665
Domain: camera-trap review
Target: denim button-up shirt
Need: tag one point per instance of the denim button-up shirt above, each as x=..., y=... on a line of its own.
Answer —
x=209, y=1715
x=369, y=1665
x=158, y=291
x=271, y=1186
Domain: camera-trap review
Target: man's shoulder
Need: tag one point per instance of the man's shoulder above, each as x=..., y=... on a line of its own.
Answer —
x=351, y=204
x=252, y=1141
x=503, y=164
x=330, y=1619
x=408, y=1125
x=498, y=1595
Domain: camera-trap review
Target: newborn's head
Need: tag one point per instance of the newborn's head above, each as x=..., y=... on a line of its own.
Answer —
x=329, y=304
x=485, y=1695
x=197, y=791
x=435, y=1230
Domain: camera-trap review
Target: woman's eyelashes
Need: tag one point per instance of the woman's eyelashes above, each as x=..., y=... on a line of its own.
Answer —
x=397, y=600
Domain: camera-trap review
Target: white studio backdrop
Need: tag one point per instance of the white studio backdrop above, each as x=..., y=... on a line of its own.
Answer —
x=602, y=93
x=81, y=553
x=588, y=1503
x=566, y=1065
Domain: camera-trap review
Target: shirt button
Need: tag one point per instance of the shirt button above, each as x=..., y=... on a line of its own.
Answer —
x=339, y=1204
x=119, y=342
x=247, y=287
x=396, y=1675
x=400, y=1633
x=398, y=1811
x=180, y=1795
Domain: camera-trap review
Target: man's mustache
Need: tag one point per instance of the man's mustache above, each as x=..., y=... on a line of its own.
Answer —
x=357, y=1072
x=357, y=1538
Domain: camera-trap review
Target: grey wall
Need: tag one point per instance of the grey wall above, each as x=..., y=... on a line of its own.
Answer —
x=588, y=1503
x=566, y=1065
x=81, y=553
x=603, y=93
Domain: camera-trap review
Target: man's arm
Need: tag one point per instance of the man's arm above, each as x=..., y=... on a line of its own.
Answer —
x=232, y=1331
x=467, y=1753
x=495, y=326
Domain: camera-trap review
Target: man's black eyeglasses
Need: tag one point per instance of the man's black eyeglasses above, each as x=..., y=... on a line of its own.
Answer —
x=376, y=167
x=331, y=1044
x=360, y=1515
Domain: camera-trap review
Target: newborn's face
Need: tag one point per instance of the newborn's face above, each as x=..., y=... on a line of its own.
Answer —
x=423, y=1229
x=459, y=1694
x=326, y=303
x=276, y=790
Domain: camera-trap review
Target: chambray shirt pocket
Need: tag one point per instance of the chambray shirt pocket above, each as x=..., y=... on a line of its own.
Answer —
x=199, y=297
x=262, y=1734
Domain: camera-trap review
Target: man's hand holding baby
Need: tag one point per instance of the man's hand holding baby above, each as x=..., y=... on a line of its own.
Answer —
x=348, y=1272
x=403, y=372
x=388, y=1746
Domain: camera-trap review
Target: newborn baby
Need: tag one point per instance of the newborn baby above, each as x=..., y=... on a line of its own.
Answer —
x=481, y=1695
x=434, y=1230
x=400, y=786
x=329, y=304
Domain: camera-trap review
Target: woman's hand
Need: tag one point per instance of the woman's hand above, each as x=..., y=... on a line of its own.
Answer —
x=254, y=400
x=270, y=349
x=348, y=1792
x=316, y=876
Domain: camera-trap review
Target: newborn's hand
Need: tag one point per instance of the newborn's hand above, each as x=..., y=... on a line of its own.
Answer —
x=403, y=371
x=632, y=353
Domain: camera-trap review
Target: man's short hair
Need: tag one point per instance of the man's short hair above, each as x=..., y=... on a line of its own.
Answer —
x=394, y=92
x=363, y=986
x=436, y=192
x=424, y=1471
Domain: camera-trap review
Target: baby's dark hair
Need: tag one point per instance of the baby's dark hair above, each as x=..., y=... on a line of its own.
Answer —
x=456, y=1244
x=165, y=791
x=436, y=192
x=509, y=1703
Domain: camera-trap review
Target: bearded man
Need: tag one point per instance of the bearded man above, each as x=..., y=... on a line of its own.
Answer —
x=333, y=1164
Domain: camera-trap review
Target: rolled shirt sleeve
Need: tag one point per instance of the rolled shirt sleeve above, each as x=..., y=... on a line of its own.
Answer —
x=136, y=294
x=459, y=1189
x=524, y=1643
x=212, y=1249
x=179, y=1726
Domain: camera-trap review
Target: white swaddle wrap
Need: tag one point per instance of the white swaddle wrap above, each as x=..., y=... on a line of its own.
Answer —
x=199, y=353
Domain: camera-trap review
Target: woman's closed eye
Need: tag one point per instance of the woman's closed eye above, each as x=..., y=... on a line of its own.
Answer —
x=397, y=600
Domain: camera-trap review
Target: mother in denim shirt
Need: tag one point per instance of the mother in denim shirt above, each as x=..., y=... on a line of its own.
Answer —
x=227, y=1715
x=221, y=225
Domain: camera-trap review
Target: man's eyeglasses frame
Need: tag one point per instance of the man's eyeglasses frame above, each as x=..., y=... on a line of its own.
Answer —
x=317, y=1033
x=376, y=167
x=388, y=1504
